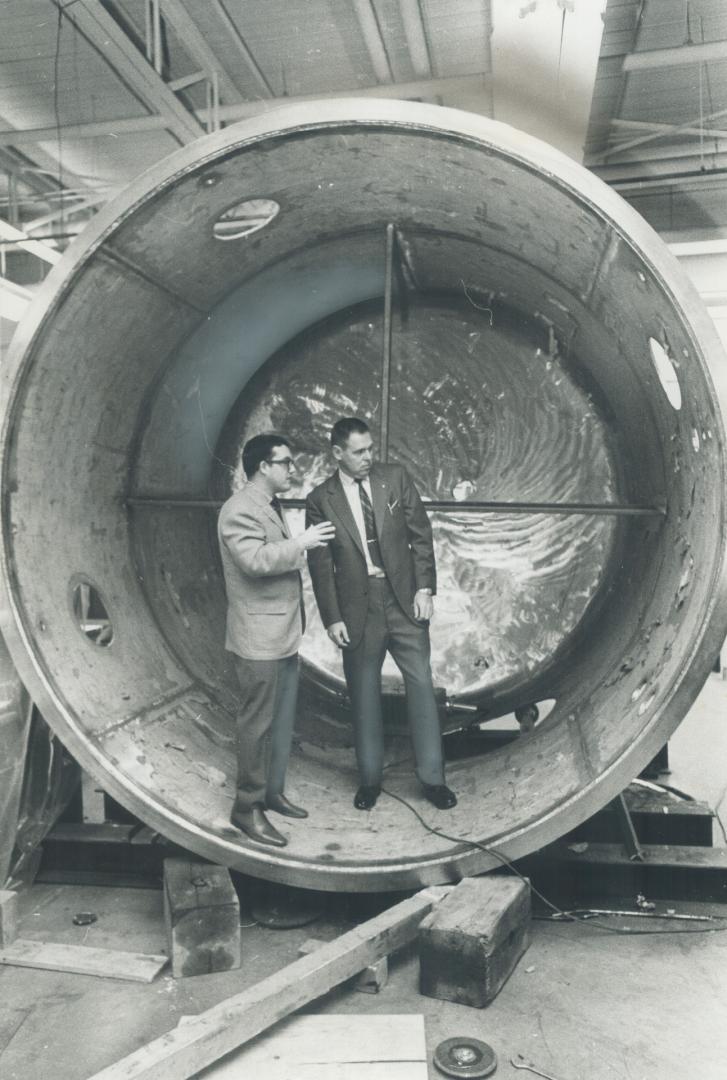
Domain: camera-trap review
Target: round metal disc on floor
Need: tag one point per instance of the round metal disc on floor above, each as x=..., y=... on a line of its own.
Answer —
x=284, y=909
x=465, y=1057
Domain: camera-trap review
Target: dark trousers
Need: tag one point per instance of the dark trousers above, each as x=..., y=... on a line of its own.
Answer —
x=388, y=628
x=265, y=720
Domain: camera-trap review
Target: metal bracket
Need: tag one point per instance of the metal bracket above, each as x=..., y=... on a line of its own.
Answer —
x=628, y=832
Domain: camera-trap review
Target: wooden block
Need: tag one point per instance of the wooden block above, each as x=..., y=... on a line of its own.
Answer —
x=469, y=946
x=371, y=980
x=202, y=918
x=334, y=1047
x=93, y=800
x=82, y=960
x=8, y=917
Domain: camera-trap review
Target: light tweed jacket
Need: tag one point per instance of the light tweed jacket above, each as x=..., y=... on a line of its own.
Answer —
x=261, y=564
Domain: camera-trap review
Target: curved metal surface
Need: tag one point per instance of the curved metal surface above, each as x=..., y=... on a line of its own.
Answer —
x=141, y=352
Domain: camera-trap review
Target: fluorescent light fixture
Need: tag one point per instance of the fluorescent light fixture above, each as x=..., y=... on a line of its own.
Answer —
x=35, y=247
x=699, y=247
x=14, y=299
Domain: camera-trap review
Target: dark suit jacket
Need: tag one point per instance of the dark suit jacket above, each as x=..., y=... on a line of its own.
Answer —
x=338, y=570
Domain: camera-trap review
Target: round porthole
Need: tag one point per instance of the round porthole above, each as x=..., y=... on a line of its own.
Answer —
x=245, y=218
x=91, y=615
x=667, y=373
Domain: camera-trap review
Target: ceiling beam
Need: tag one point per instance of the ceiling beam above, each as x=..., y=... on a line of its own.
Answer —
x=665, y=129
x=94, y=23
x=85, y=131
x=425, y=88
x=69, y=209
x=455, y=84
x=368, y=22
x=21, y=239
x=669, y=129
x=49, y=174
x=682, y=54
x=190, y=36
x=236, y=37
x=416, y=38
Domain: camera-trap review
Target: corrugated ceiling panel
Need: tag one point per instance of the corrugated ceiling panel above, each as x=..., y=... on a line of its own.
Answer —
x=301, y=46
x=671, y=23
x=673, y=95
x=457, y=31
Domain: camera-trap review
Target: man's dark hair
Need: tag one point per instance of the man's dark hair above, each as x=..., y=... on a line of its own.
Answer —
x=258, y=449
x=344, y=428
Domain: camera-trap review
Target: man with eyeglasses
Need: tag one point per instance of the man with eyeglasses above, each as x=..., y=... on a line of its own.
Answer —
x=261, y=562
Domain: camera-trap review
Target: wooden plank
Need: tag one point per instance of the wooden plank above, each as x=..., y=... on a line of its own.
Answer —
x=109, y=832
x=8, y=917
x=333, y=1047
x=82, y=960
x=207, y=1037
x=371, y=980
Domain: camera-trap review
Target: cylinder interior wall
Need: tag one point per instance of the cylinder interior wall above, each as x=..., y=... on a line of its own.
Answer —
x=151, y=363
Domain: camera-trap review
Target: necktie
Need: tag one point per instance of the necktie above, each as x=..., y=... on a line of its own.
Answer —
x=277, y=507
x=368, y=516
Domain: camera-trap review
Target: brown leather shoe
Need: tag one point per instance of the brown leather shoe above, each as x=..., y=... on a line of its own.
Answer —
x=283, y=806
x=255, y=825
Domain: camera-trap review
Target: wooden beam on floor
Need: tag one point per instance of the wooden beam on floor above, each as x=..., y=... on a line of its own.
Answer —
x=83, y=960
x=206, y=1038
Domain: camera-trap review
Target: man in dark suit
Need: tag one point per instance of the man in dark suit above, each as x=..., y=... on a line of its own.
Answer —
x=261, y=562
x=374, y=584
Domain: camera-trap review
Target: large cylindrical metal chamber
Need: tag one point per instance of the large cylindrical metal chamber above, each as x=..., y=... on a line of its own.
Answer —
x=548, y=358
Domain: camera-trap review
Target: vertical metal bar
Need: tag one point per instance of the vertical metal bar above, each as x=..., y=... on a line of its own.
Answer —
x=157, y=36
x=386, y=363
x=628, y=832
x=149, y=31
x=210, y=122
x=215, y=101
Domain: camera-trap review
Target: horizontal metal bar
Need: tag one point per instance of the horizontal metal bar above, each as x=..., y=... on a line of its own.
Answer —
x=699, y=53
x=445, y=505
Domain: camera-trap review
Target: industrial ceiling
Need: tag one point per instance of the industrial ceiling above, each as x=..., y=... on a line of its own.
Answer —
x=92, y=92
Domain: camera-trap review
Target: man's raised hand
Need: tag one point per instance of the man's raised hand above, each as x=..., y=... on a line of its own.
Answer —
x=318, y=535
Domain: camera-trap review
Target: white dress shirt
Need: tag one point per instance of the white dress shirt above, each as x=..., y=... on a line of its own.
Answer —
x=350, y=487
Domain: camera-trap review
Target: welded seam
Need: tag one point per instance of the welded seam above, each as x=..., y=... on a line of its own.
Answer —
x=108, y=253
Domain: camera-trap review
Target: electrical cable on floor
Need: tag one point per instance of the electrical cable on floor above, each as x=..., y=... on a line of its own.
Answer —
x=558, y=914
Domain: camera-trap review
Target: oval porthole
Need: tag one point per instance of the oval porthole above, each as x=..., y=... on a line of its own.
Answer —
x=91, y=615
x=245, y=218
x=667, y=373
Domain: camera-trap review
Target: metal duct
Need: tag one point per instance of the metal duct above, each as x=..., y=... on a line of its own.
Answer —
x=549, y=358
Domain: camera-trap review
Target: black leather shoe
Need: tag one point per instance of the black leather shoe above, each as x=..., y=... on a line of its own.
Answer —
x=283, y=806
x=366, y=797
x=440, y=796
x=255, y=825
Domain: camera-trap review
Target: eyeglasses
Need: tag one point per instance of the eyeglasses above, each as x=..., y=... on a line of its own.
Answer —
x=286, y=461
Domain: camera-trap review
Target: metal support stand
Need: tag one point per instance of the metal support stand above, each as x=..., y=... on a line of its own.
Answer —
x=628, y=832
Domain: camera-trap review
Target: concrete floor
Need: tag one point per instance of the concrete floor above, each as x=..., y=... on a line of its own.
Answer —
x=583, y=1004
